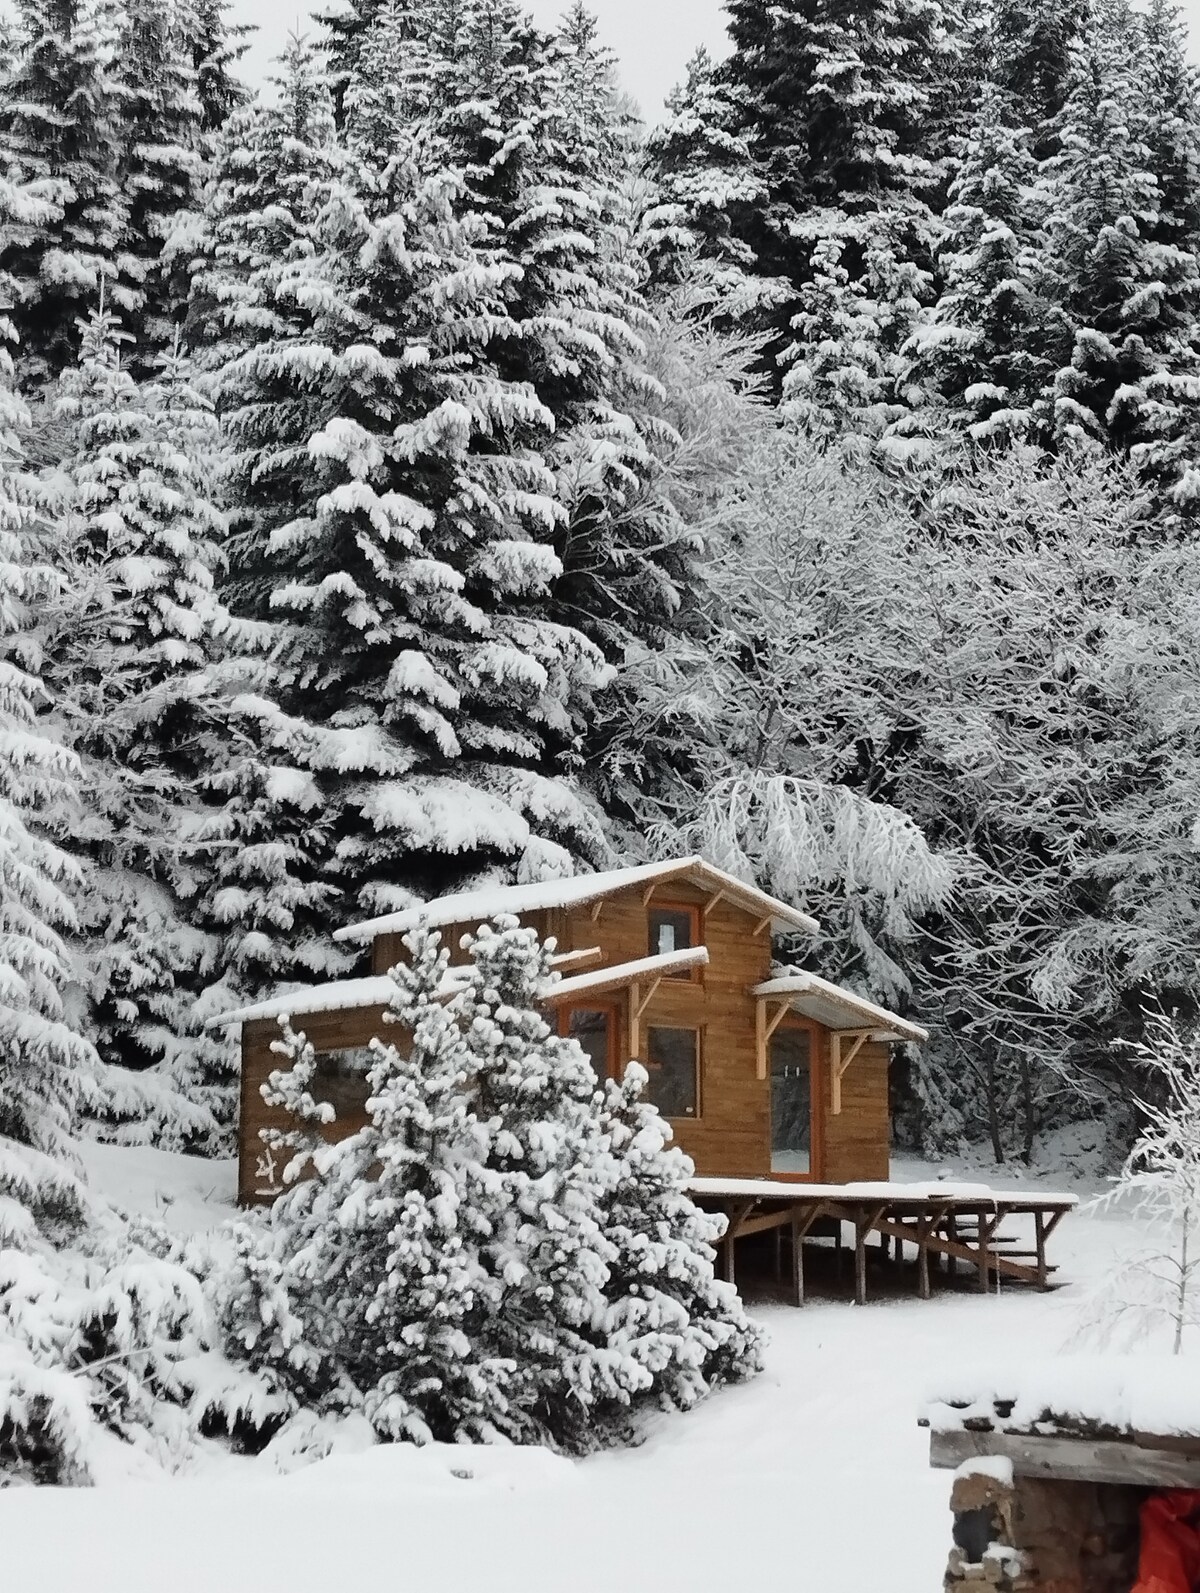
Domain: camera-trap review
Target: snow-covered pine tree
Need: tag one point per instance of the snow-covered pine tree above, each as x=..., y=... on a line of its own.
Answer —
x=981, y=357
x=215, y=45
x=470, y=1265
x=381, y=1297
x=845, y=116
x=668, y=1311
x=60, y=110
x=708, y=184
x=1126, y=289
x=127, y=654
x=162, y=165
x=394, y=519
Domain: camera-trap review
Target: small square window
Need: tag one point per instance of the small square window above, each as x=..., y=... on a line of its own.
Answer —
x=673, y=1063
x=674, y=929
x=340, y=1077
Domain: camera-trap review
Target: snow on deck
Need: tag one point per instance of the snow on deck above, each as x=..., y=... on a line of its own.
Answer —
x=799, y=1189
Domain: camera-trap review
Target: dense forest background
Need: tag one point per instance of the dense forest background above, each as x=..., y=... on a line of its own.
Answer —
x=424, y=474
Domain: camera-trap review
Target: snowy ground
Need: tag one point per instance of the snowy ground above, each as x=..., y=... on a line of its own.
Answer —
x=815, y=1475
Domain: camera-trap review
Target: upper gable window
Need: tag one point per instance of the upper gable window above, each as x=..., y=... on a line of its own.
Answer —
x=675, y=929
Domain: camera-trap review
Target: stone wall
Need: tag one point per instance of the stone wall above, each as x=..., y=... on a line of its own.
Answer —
x=1036, y=1535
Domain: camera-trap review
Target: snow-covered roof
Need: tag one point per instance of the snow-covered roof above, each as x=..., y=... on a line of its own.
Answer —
x=340, y=996
x=1136, y=1394
x=836, y=1008
x=477, y=906
x=618, y=975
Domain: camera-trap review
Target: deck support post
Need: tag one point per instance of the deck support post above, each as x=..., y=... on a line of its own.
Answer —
x=987, y=1227
x=797, y=1261
x=1039, y=1243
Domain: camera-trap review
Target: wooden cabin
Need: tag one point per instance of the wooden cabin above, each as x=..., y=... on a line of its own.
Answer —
x=761, y=1071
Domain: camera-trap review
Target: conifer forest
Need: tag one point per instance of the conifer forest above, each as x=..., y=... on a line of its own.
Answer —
x=421, y=473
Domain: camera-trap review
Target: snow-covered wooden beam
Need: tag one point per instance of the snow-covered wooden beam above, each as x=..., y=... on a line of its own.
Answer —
x=576, y=959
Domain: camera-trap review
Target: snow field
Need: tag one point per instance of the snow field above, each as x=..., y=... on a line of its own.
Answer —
x=814, y=1475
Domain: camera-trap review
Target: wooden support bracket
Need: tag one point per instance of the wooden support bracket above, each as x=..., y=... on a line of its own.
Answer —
x=841, y=1060
x=597, y=910
x=763, y=923
x=764, y=1028
x=717, y=896
x=648, y=893
x=637, y=1008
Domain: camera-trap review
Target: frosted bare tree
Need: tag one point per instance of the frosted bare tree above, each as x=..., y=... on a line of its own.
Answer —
x=1159, y=1281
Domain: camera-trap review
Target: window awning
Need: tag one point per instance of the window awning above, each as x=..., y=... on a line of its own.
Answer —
x=836, y=1008
x=851, y=1019
x=619, y=976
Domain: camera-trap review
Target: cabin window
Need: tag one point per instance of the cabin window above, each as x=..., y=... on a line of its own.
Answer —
x=340, y=1077
x=673, y=1063
x=595, y=1029
x=791, y=1100
x=675, y=929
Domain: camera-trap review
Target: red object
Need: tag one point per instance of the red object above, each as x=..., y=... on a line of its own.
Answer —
x=1170, y=1554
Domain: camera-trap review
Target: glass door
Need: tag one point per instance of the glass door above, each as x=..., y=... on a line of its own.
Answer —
x=792, y=1100
x=596, y=1030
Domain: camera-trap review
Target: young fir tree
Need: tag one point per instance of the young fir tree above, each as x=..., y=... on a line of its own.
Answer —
x=469, y=1265
x=60, y=126
x=129, y=656
x=667, y=1310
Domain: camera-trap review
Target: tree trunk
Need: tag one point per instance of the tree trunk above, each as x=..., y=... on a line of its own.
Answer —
x=1027, y=1108
x=1181, y=1296
x=993, y=1111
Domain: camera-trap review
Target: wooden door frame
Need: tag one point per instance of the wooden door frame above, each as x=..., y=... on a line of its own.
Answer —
x=818, y=1071
x=614, y=1007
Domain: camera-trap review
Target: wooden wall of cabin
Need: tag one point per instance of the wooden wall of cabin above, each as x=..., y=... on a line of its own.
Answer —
x=857, y=1139
x=328, y=1031
x=731, y=1135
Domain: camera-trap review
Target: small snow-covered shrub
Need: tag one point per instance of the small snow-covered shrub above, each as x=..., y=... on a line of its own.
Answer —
x=503, y=1252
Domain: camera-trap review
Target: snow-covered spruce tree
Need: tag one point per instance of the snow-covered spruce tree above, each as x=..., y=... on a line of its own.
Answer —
x=845, y=116
x=395, y=520
x=981, y=357
x=162, y=164
x=60, y=111
x=668, y=1311
x=469, y=1265
x=1157, y=1285
x=127, y=654
x=1124, y=279
x=708, y=183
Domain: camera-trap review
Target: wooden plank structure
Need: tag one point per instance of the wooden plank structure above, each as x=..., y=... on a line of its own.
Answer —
x=949, y=1225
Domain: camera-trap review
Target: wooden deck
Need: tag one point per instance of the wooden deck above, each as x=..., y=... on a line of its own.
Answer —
x=1000, y=1234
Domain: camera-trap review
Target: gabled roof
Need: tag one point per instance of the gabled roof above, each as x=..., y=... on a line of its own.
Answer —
x=476, y=907
x=835, y=1008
